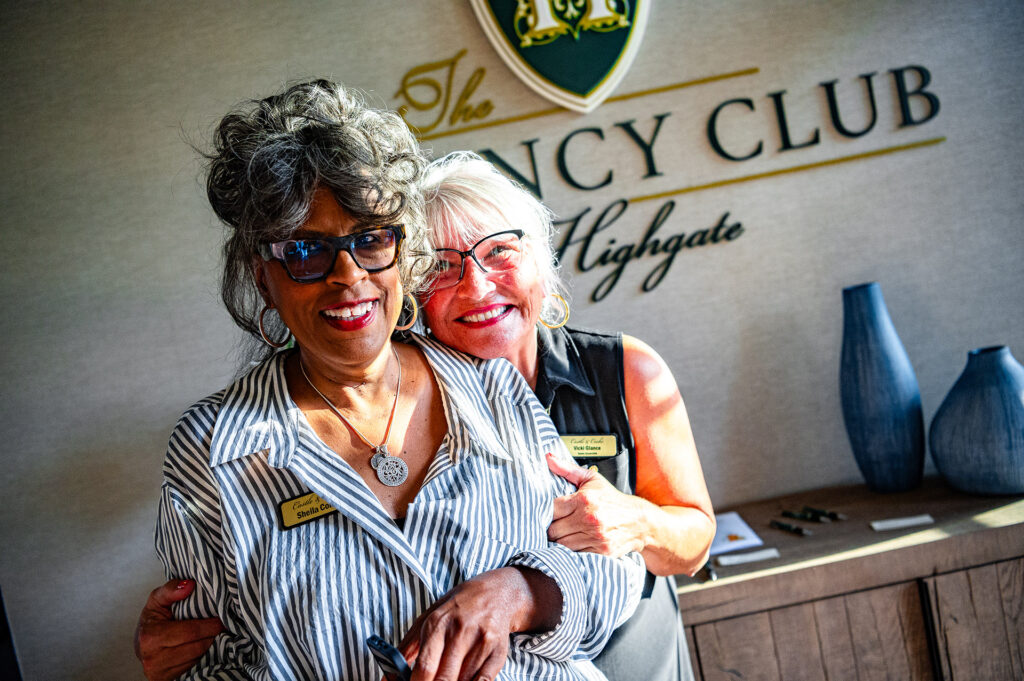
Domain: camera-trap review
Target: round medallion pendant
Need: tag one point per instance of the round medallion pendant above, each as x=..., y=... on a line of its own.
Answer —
x=392, y=471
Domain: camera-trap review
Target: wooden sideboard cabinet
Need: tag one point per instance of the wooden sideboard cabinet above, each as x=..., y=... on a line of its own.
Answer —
x=939, y=601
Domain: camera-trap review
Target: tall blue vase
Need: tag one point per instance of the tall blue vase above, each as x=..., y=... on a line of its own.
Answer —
x=881, y=400
x=977, y=435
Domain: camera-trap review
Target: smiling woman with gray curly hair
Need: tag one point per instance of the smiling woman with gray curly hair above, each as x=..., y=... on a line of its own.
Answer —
x=288, y=497
x=269, y=158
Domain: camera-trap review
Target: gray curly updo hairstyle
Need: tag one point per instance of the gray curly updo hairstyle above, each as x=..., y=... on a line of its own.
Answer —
x=270, y=156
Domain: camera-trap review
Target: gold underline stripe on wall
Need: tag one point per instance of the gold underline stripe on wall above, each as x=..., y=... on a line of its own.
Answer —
x=787, y=171
x=616, y=98
x=680, y=86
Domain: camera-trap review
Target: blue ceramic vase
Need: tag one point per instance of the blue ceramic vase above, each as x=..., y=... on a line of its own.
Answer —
x=977, y=435
x=880, y=397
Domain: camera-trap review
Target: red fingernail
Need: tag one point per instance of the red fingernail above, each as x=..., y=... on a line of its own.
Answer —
x=181, y=585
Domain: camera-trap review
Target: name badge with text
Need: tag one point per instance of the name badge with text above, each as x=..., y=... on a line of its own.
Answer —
x=591, y=446
x=302, y=509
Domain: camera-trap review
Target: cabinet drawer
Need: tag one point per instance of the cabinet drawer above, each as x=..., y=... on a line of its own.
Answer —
x=979, y=622
x=875, y=634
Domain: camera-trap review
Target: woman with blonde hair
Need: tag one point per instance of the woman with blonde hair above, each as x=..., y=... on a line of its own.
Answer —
x=349, y=485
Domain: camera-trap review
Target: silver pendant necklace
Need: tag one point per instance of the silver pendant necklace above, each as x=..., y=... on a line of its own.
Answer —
x=391, y=470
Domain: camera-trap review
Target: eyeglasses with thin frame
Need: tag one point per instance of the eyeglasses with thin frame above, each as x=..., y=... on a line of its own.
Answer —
x=498, y=252
x=310, y=260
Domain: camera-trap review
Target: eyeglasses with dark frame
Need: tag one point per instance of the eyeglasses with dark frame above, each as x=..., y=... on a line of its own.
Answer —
x=311, y=260
x=498, y=252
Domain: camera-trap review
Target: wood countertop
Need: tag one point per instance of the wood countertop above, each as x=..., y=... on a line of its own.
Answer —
x=847, y=555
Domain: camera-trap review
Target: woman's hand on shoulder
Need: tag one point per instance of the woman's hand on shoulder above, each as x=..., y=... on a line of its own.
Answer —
x=596, y=517
x=465, y=634
x=168, y=647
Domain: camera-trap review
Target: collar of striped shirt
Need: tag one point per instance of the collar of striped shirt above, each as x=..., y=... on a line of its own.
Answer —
x=248, y=423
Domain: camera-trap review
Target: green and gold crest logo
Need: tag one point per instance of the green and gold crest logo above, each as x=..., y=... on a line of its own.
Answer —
x=573, y=52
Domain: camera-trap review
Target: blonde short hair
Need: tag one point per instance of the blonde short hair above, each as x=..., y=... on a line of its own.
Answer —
x=466, y=198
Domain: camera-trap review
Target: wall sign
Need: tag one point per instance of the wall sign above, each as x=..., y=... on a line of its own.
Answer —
x=572, y=52
x=592, y=238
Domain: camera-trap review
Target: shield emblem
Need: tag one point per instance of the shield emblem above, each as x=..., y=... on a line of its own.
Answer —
x=573, y=52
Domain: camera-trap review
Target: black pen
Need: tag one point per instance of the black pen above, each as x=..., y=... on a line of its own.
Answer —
x=786, y=527
x=807, y=515
x=826, y=514
x=710, y=571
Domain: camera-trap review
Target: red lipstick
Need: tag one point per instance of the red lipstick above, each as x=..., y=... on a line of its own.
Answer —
x=354, y=323
x=477, y=324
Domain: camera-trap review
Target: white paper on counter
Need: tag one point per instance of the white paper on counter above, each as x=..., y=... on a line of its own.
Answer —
x=733, y=534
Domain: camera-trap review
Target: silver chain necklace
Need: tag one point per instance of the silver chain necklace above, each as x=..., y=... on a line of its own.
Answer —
x=391, y=470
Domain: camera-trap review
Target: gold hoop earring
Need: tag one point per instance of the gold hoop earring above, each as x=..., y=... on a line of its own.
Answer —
x=565, y=305
x=263, y=333
x=415, y=313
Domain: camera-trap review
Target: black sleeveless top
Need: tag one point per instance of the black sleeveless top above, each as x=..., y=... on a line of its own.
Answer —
x=580, y=380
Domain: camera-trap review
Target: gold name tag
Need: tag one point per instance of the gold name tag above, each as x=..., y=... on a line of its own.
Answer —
x=591, y=446
x=302, y=509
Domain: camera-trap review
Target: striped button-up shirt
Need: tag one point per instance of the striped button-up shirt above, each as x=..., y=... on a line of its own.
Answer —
x=299, y=603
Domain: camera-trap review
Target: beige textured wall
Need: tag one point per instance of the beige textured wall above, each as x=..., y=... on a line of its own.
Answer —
x=112, y=322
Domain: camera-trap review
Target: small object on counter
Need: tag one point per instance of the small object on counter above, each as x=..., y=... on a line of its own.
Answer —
x=732, y=534
x=709, y=570
x=805, y=515
x=831, y=515
x=750, y=557
x=900, y=523
x=786, y=527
